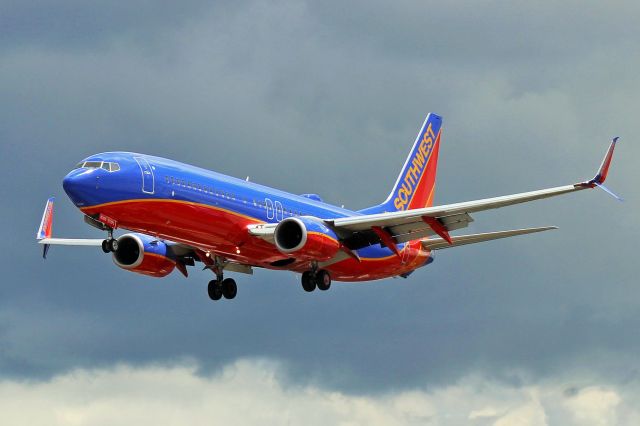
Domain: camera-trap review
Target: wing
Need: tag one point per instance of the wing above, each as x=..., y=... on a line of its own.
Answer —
x=440, y=243
x=402, y=226
x=185, y=255
x=396, y=227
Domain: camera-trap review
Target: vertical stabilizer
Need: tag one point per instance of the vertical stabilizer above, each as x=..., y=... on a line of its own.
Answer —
x=415, y=185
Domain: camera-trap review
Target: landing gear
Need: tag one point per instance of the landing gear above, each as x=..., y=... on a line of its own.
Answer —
x=323, y=280
x=109, y=245
x=312, y=279
x=215, y=290
x=308, y=281
x=220, y=286
x=229, y=288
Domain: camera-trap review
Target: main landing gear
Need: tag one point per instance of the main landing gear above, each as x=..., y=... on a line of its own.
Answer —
x=312, y=279
x=219, y=288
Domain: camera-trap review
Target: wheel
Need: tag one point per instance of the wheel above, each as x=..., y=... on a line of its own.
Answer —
x=113, y=244
x=308, y=283
x=215, y=290
x=105, y=246
x=229, y=288
x=323, y=280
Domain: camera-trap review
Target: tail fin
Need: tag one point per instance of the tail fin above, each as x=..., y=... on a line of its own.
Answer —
x=415, y=185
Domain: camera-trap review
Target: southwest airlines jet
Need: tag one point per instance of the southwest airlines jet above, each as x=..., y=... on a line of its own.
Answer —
x=179, y=214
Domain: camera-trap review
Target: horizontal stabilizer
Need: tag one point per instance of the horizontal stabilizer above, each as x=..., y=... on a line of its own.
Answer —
x=441, y=243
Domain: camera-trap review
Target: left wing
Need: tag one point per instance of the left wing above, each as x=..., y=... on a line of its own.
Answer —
x=184, y=255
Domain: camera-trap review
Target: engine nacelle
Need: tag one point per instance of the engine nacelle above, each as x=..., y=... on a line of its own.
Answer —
x=143, y=254
x=307, y=237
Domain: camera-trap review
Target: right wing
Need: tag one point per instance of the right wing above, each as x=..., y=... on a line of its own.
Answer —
x=391, y=228
x=406, y=225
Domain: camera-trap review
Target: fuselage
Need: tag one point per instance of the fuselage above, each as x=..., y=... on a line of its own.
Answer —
x=211, y=211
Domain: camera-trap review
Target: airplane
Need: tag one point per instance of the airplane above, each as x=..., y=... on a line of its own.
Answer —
x=178, y=214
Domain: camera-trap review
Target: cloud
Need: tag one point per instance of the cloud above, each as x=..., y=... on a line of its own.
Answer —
x=252, y=391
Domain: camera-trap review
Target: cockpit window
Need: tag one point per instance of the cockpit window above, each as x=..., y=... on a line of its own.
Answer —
x=106, y=165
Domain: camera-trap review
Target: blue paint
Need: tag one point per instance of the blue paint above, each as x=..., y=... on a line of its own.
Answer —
x=171, y=180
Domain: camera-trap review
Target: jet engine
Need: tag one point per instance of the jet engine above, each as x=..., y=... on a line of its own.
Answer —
x=144, y=254
x=306, y=238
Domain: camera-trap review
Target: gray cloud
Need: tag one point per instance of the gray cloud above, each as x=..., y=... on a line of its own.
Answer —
x=319, y=98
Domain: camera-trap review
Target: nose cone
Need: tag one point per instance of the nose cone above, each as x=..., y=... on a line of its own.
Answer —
x=79, y=185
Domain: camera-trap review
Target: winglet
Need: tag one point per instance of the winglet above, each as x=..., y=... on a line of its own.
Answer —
x=604, y=167
x=603, y=171
x=47, y=220
x=45, y=225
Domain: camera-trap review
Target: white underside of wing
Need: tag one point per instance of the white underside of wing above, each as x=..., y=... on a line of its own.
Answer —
x=439, y=243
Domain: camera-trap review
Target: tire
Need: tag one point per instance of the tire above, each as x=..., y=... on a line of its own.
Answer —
x=308, y=283
x=105, y=246
x=229, y=288
x=323, y=280
x=113, y=245
x=215, y=290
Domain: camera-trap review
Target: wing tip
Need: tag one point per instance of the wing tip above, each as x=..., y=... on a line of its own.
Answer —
x=44, y=231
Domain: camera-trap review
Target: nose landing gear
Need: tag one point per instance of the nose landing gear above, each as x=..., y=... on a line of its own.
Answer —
x=110, y=244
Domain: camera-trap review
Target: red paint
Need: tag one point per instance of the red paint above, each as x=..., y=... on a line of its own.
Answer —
x=154, y=265
x=387, y=239
x=438, y=228
x=112, y=223
x=425, y=188
x=318, y=247
x=220, y=231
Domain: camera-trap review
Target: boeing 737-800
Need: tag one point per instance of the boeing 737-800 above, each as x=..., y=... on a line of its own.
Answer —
x=178, y=214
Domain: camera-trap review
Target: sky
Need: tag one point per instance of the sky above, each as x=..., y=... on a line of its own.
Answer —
x=327, y=97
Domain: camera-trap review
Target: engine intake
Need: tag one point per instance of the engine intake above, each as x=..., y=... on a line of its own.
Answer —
x=307, y=237
x=143, y=254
